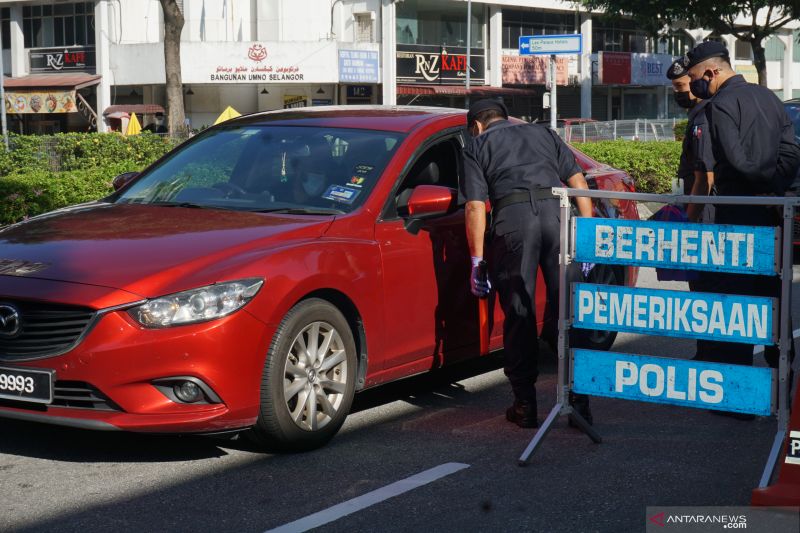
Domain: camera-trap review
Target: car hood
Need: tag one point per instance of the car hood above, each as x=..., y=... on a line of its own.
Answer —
x=143, y=249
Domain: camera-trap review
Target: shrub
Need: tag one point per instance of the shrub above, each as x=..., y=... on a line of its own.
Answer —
x=26, y=194
x=45, y=172
x=652, y=164
x=679, y=129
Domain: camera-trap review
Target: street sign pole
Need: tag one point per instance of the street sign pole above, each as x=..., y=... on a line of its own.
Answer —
x=552, y=46
x=553, y=99
x=3, y=96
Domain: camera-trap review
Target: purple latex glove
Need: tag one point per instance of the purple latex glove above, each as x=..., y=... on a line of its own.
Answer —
x=479, y=282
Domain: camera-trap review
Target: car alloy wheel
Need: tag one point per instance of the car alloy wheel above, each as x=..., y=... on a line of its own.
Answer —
x=314, y=376
x=309, y=379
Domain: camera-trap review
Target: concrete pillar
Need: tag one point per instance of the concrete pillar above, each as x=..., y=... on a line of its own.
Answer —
x=586, y=66
x=19, y=63
x=495, y=52
x=102, y=53
x=388, y=51
x=698, y=34
x=788, y=63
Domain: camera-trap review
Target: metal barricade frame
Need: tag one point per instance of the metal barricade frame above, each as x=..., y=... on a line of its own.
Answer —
x=567, y=239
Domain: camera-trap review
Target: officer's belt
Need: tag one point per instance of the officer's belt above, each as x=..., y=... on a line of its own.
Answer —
x=522, y=197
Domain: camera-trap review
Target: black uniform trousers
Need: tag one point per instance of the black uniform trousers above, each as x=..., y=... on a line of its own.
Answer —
x=742, y=284
x=525, y=237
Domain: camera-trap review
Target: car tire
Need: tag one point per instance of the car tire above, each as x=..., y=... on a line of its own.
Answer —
x=599, y=339
x=306, y=393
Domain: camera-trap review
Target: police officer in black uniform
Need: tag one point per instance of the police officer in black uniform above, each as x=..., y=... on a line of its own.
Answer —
x=514, y=165
x=745, y=147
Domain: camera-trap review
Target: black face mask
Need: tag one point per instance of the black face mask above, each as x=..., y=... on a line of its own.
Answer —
x=684, y=99
x=700, y=88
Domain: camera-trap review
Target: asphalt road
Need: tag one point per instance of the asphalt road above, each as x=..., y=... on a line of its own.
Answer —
x=58, y=479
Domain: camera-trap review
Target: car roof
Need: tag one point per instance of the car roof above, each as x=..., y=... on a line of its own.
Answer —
x=376, y=117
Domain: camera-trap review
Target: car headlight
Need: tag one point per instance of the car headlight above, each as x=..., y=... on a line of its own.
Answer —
x=196, y=305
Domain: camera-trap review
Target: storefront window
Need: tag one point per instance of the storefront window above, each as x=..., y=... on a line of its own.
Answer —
x=58, y=25
x=620, y=36
x=526, y=22
x=438, y=23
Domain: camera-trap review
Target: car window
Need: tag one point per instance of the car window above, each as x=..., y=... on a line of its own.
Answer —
x=264, y=168
x=793, y=110
x=440, y=164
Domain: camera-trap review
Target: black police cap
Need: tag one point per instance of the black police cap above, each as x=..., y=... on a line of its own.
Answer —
x=678, y=68
x=704, y=51
x=485, y=105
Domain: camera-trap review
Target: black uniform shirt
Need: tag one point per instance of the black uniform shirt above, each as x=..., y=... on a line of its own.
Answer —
x=509, y=156
x=748, y=141
x=687, y=162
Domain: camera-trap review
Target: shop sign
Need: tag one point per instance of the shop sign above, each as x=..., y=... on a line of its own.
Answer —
x=290, y=101
x=615, y=68
x=80, y=58
x=749, y=72
x=28, y=102
x=271, y=63
x=359, y=91
x=358, y=66
x=439, y=64
x=650, y=69
x=532, y=70
x=321, y=101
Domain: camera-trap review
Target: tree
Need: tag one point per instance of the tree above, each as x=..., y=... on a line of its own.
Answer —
x=173, y=25
x=761, y=18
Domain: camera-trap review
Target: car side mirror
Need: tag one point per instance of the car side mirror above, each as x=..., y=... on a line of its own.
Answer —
x=428, y=201
x=123, y=179
x=431, y=200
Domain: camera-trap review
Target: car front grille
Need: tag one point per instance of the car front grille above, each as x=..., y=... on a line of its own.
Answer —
x=45, y=329
x=81, y=395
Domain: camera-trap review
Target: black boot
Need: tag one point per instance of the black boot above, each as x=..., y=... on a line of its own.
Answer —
x=523, y=414
x=580, y=403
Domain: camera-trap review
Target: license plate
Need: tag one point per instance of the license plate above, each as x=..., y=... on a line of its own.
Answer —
x=26, y=385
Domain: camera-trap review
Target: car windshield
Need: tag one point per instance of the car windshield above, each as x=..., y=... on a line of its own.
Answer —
x=793, y=110
x=289, y=169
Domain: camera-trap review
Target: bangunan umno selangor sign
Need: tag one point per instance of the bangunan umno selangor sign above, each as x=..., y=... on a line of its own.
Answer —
x=267, y=63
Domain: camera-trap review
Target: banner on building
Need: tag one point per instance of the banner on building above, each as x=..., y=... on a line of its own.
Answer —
x=439, y=64
x=532, y=70
x=27, y=102
x=358, y=66
x=614, y=68
x=650, y=69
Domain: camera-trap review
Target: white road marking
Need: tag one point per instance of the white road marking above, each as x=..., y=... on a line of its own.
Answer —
x=758, y=348
x=371, y=498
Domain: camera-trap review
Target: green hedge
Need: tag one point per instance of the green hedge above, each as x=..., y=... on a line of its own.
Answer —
x=652, y=164
x=46, y=172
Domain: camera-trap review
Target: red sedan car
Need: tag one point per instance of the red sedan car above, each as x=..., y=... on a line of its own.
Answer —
x=253, y=279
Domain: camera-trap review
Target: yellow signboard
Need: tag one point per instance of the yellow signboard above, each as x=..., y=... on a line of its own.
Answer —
x=26, y=102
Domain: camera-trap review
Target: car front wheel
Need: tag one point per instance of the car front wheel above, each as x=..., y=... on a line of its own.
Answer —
x=309, y=379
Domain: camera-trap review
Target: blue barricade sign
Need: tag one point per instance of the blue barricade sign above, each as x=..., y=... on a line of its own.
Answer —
x=697, y=315
x=678, y=245
x=738, y=388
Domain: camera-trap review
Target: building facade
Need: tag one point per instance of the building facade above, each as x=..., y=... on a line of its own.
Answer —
x=83, y=65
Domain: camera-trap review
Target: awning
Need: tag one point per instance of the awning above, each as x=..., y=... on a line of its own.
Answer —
x=139, y=109
x=460, y=90
x=57, y=81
